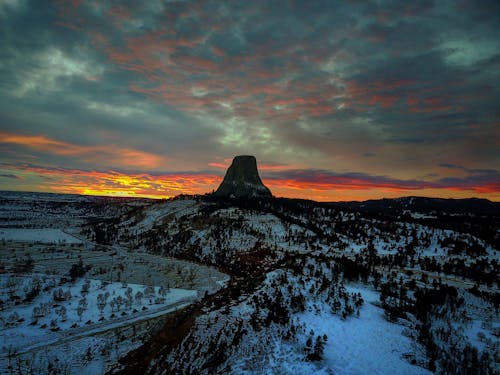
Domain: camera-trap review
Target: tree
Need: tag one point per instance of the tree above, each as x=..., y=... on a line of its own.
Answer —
x=163, y=291
x=62, y=313
x=101, y=302
x=319, y=347
x=138, y=297
x=119, y=302
x=53, y=325
x=24, y=265
x=78, y=270
x=34, y=291
x=82, y=306
x=85, y=287
x=128, y=294
x=88, y=354
x=60, y=295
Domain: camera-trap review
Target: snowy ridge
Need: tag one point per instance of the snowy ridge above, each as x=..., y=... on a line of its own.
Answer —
x=384, y=254
x=312, y=288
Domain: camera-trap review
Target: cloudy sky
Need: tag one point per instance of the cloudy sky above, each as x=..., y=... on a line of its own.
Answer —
x=338, y=100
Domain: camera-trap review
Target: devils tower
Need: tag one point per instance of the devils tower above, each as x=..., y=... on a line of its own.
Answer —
x=242, y=180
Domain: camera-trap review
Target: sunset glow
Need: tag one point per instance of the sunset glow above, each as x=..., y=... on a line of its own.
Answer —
x=352, y=101
x=299, y=184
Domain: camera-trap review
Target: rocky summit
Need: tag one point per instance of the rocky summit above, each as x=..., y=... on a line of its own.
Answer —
x=242, y=180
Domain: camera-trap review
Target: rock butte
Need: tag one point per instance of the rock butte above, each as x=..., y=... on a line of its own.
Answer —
x=242, y=180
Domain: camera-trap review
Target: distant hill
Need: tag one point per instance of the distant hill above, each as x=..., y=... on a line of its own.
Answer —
x=430, y=206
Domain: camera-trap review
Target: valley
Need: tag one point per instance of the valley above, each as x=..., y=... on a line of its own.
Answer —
x=202, y=284
x=70, y=303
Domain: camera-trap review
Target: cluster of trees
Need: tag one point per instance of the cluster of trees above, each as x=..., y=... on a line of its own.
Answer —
x=24, y=265
x=460, y=247
x=482, y=270
x=315, y=347
x=78, y=269
x=298, y=284
x=441, y=314
x=317, y=279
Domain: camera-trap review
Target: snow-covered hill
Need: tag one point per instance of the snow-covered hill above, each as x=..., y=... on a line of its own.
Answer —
x=312, y=288
x=402, y=266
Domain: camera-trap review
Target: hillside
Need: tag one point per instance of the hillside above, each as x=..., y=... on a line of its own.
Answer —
x=303, y=272
x=310, y=287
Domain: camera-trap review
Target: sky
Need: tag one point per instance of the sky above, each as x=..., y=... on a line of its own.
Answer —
x=338, y=100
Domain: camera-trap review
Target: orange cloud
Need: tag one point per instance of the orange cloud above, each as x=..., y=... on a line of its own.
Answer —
x=113, y=155
x=319, y=187
x=114, y=183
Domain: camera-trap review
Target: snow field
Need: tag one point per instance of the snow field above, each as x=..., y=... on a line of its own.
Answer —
x=45, y=235
x=100, y=305
x=367, y=344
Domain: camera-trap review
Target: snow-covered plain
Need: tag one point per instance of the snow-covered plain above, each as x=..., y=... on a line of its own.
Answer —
x=44, y=235
x=50, y=324
x=367, y=344
x=72, y=313
x=84, y=303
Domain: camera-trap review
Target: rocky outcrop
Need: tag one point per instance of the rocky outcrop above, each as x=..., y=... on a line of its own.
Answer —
x=242, y=180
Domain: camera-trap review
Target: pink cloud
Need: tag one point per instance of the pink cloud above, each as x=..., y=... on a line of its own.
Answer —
x=108, y=153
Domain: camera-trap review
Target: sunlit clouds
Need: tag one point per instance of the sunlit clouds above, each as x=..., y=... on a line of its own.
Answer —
x=297, y=183
x=110, y=154
x=337, y=100
x=112, y=182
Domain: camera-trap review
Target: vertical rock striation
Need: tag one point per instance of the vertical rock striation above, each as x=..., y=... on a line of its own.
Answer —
x=242, y=180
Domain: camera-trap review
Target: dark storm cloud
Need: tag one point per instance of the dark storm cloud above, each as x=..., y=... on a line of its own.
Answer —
x=375, y=87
